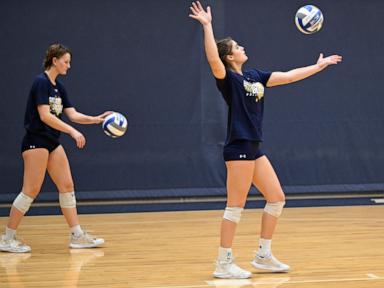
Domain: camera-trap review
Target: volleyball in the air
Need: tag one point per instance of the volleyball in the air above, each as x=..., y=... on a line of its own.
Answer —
x=115, y=125
x=309, y=19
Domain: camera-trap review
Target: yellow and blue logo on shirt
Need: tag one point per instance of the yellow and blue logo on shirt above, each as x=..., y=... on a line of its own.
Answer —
x=254, y=89
x=56, y=105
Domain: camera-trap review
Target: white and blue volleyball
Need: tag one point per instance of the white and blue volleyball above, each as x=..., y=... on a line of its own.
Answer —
x=115, y=125
x=309, y=19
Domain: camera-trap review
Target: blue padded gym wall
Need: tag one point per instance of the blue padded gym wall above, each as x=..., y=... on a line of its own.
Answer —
x=146, y=60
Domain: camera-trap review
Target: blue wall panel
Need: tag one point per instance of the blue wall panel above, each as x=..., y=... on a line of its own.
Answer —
x=146, y=59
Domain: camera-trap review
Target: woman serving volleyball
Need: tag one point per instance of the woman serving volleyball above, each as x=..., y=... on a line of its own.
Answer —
x=243, y=91
x=41, y=151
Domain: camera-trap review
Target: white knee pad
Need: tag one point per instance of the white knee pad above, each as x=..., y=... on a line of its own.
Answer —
x=23, y=202
x=274, y=208
x=233, y=214
x=67, y=200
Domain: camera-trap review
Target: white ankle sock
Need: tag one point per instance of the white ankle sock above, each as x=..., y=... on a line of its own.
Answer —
x=264, y=247
x=225, y=254
x=9, y=233
x=76, y=230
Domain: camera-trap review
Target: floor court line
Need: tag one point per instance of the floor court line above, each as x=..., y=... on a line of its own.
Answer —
x=240, y=283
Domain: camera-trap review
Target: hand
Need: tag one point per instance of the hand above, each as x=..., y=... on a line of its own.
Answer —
x=100, y=118
x=198, y=13
x=330, y=60
x=79, y=138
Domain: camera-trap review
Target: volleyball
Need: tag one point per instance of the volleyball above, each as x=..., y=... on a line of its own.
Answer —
x=115, y=125
x=309, y=19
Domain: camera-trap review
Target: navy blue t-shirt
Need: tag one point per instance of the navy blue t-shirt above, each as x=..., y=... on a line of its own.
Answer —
x=244, y=95
x=44, y=92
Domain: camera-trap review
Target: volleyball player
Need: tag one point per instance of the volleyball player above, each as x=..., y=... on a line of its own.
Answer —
x=42, y=151
x=243, y=91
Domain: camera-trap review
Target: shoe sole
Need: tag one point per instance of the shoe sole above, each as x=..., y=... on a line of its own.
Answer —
x=14, y=251
x=84, y=246
x=229, y=276
x=268, y=268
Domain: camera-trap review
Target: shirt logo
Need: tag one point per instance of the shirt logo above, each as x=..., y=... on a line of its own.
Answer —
x=56, y=105
x=254, y=89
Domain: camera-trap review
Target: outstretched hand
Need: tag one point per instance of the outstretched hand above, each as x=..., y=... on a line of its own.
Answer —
x=330, y=60
x=100, y=118
x=199, y=14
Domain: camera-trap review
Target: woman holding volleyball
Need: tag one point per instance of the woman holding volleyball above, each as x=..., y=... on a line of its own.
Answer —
x=41, y=150
x=243, y=91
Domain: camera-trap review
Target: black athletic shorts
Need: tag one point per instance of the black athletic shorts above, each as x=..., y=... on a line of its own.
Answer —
x=33, y=141
x=242, y=149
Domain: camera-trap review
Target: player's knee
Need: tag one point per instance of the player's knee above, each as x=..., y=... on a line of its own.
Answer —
x=67, y=200
x=66, y=186
x=233, y=214
x=31, y=190
x=23, y=202
x=274, y=208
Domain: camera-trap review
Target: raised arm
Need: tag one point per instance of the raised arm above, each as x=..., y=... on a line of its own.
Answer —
x=282, y=78
x=205, y=19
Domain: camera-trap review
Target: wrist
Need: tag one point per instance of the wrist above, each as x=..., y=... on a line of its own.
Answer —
x=207, y=25
x=320, y=67
x=72, y=131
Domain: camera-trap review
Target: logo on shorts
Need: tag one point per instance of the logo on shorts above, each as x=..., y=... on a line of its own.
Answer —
x=32, y=146
x=243, y=156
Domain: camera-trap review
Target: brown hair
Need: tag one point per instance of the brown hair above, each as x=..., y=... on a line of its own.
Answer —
x=55, y=50
x=224, y=46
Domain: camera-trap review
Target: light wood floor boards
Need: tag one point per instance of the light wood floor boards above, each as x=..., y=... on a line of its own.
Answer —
x=326, y=247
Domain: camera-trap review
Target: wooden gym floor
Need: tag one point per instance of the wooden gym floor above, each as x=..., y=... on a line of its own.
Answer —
x=326, y=247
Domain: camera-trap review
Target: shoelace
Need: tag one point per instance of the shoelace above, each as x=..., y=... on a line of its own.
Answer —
x=89, y=236
x=224, y=262
x=19, y=241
